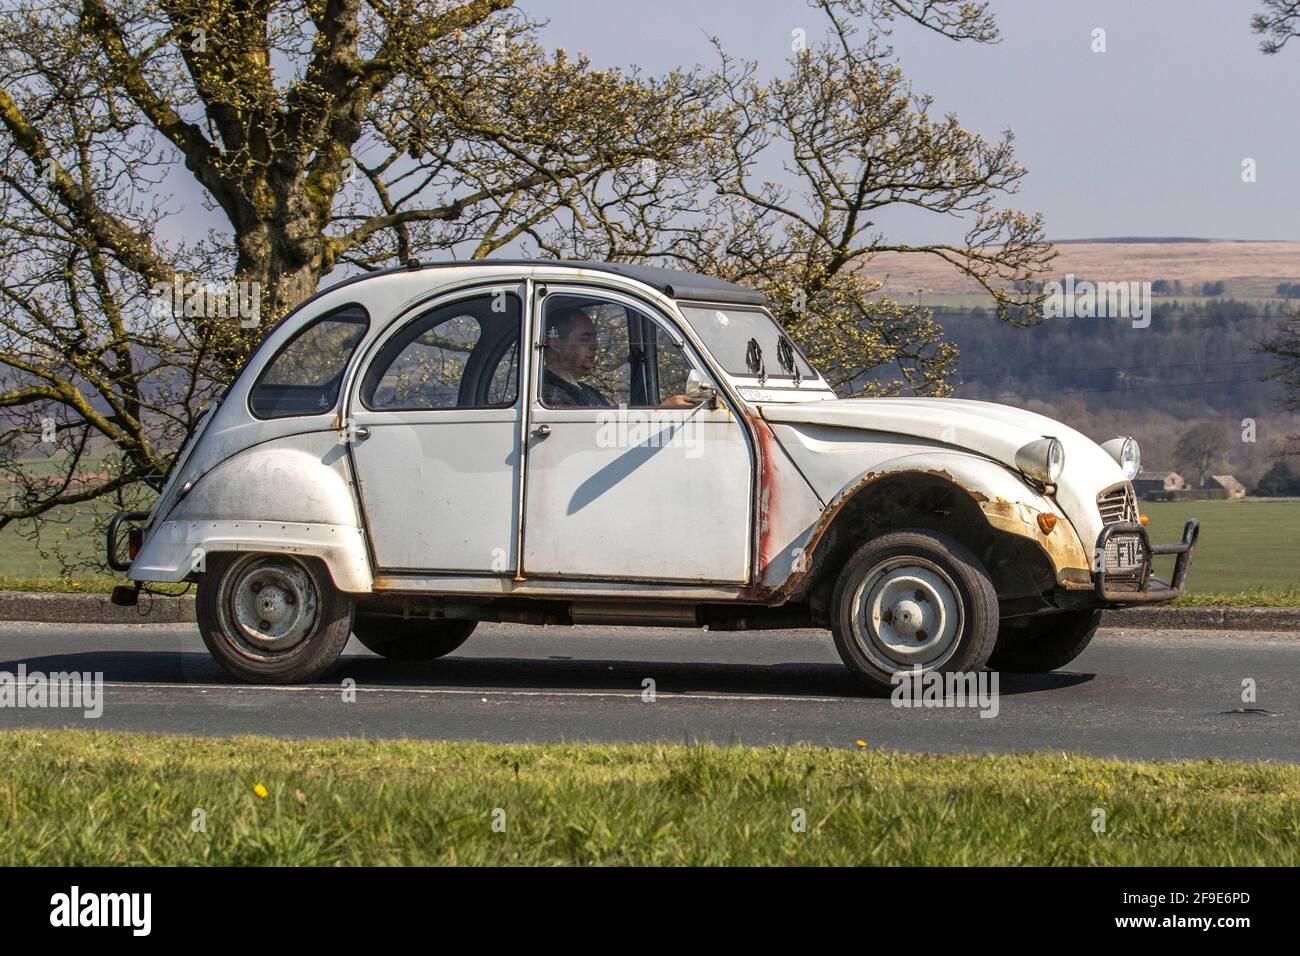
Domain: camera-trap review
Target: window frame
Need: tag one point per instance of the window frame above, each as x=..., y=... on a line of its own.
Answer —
x=289, y=342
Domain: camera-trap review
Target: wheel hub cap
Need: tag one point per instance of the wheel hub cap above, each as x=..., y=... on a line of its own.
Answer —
x=907, y=613
x=272, y=603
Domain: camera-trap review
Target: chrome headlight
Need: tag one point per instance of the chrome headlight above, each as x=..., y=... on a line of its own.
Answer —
x=1126, y=452
x=1043, y=460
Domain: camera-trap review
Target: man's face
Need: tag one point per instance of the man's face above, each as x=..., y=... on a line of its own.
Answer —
x=576, y=349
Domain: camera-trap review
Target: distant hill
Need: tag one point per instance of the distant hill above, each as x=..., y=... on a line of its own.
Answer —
x=1248, y=269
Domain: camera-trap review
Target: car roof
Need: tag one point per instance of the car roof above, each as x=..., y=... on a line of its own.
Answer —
x=674, y=283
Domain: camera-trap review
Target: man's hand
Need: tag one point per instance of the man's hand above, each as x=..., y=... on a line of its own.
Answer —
x=677, y=401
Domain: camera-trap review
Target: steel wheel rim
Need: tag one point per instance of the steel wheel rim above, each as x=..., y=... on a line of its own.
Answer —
x=269, y=606
x=907, y=613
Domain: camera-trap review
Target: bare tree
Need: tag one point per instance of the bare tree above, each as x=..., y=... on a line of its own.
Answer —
x=1199, y=449
x=1279, y=22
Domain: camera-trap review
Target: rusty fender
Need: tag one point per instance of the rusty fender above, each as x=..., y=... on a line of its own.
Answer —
x=1008, y=503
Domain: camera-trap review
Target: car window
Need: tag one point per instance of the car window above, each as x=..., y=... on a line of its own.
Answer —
x=461, y=355
x=304, y=377
x=598, y=352
x=747, y=342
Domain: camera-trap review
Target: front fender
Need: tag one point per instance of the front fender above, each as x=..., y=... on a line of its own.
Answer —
x=1008, y=502
x=835, y=468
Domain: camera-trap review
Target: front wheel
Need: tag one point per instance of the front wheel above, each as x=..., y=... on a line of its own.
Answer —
x=411, y=639
x=913, y=601
x=1036, y=645
x=272, y=618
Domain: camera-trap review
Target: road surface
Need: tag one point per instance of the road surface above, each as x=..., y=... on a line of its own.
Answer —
x=1135, y=694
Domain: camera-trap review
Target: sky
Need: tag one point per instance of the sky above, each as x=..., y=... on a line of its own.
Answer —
x=1145, y=139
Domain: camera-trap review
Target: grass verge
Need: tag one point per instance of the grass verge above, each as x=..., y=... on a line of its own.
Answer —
x=75, y=797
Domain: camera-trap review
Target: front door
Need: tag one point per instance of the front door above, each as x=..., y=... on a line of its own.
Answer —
x=435, y=421
x=625, y=477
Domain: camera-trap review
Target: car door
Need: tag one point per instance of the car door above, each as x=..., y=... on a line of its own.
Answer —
x=617, y=486
x=434, y=434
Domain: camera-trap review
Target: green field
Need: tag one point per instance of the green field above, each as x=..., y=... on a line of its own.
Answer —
x=81, y=798
x=23, y=568
x=1245, y=546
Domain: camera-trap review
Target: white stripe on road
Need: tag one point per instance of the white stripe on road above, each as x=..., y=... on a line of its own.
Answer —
x=204, y=688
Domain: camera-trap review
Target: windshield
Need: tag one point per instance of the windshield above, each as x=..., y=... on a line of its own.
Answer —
x=748, y=342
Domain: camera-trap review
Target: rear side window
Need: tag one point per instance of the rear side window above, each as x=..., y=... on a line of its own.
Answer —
x=304, y=377
x=461, y=355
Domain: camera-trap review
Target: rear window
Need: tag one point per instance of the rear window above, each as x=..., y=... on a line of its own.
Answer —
x=305, y=375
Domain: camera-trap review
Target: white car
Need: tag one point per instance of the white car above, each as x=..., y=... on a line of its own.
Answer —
x=538, y=442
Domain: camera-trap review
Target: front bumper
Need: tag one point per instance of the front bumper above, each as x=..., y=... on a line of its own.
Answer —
x=1139, y=587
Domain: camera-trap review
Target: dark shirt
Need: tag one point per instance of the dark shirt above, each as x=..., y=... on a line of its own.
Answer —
x=557, y=393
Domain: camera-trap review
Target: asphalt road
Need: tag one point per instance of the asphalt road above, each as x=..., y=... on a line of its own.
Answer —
x=1138, y=694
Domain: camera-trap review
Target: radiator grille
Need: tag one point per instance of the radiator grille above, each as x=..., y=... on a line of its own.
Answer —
x=1118, y=504
x=1125, y=550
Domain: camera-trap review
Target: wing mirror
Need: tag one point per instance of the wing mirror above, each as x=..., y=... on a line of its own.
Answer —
x=699, y=391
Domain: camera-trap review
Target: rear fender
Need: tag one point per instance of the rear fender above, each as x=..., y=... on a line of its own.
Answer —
x=292, y=495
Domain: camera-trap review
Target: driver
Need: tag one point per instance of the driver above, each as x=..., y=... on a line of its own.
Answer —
x=570, y=355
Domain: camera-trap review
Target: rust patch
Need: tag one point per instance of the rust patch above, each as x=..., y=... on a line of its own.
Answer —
x=1063, y=550
x=781, y=593
x=766, y=499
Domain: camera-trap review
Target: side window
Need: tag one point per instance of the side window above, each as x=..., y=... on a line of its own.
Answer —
x=461, y=355
x=304, y=378
x=602, y=353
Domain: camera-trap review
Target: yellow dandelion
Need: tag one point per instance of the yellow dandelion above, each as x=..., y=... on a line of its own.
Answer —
x=862, y=743
x=261, y=791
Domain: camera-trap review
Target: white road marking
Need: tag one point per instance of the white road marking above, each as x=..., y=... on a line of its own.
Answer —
x=204, y=688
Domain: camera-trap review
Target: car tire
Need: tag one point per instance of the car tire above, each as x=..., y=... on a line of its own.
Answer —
x=1036, y=645
x=913, y=599
x=411, y=639
x=272, y=618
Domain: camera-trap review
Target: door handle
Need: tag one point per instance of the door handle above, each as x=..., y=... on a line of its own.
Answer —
x=360, y=433
x=542, y=431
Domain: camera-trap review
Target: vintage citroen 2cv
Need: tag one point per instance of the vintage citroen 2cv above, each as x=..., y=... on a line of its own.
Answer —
x=414, y=451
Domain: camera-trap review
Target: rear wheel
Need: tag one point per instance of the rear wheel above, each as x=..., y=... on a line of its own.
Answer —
x=411, y=639
x=272, y=618
x=913, y=601
x=1036, y=645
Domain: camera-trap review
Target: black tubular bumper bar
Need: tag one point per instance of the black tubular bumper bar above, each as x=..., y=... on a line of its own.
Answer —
x=113, y=524
x=1145, y=594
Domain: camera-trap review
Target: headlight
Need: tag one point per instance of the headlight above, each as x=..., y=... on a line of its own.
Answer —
x=1126, y=452
x=1043, y=460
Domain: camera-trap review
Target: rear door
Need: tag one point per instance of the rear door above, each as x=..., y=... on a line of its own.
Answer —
x=435, y=434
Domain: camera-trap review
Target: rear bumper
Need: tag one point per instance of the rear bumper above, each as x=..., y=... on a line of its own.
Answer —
x=1148, y=589
x=114, y=524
